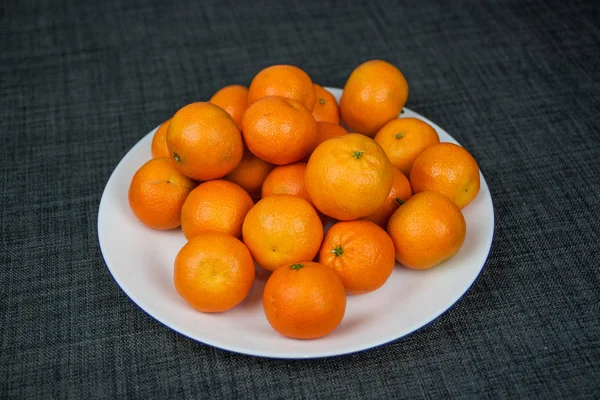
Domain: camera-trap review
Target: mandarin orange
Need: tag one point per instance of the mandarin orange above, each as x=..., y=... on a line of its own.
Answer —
x=213, y=272
x=205, y=141
x=157, y=193
x=404, y=139
x=348, y=177
x=326, y=107
x=427, y=230
x=250, y=173
x=286, y=81
x=360, y=253
x=304, y=300
x=286, y=179
x=279, y=130
x=373, y=95
x=215, y=206
x=449, y=169
x=282, y=229
x=234, y=100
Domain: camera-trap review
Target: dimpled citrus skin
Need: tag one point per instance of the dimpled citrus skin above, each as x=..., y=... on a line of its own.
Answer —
x=326, y=130
x=361, y=253
x=279, y=130
x=374, y=94
x=215, y=206
x=449, y=169
x=205, y=141
x=157, y=193
x=286, y=81
x=304, y=300
x=213, y=272
x=404, y=139
x=286, y=179
x=234, y=100
x=426, y=230
x=348, y=177
x=282, y=229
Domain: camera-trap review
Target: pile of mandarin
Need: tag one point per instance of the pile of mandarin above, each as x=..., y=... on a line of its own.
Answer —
x=254, y=175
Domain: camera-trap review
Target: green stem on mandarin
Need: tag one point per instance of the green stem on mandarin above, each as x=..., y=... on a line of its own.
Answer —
x=399, y=135
x=357, y=154
x=296, y=267
x=177, y=158
x=399, y=201
x=338, y=251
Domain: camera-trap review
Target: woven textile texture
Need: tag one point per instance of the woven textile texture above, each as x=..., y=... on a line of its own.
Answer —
x=516, y=82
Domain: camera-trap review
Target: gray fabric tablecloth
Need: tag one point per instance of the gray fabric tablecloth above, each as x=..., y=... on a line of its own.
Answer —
x=516, y=82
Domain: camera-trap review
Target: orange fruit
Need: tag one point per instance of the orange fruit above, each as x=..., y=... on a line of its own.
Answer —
x=400, y=192
x=204, y=141
x=348, y=177
x=304, y=300
x=448, y=169
x=360, y=253
x=159, y=141
x=289, y=179
x=213, y=272
x=157, y=193
x=282, y=229
x=278, y=130
x=215, y=206
x=286, y=179
x=234, y=100
x=250, y=173
x=428, y=229
x=327, y=130
x=326, y=107
x=403, y=139
x=374, y=94
x=285, y=81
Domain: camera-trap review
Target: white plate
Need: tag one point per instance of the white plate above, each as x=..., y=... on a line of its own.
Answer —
x=141, y=262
